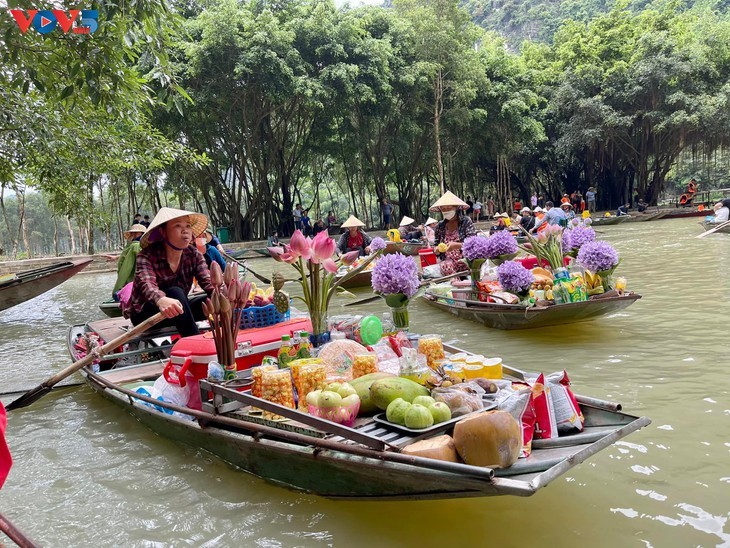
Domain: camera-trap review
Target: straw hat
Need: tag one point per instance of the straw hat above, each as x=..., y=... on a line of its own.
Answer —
x=501, y=216
x=449, y=199
x=430, y=221
x=352, y=221
x=567, y=204
x=134, y=229
x=198, y=221
x=538, y=209
x=525, y=209
x=405, y=221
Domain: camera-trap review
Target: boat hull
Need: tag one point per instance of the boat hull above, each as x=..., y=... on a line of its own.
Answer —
x=518, y=317
x=111, y=309
x=709, y=226
x=31, y=283
x=404, y=248
x=608, y=221
x=361, y=279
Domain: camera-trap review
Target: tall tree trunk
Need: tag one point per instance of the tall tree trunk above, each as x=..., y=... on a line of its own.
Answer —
x=438, y=107
x=71, y=235
x=13, y=241
x=23, y=226
x=55, y=235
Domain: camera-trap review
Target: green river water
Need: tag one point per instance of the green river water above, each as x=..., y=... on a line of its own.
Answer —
x=87, y=474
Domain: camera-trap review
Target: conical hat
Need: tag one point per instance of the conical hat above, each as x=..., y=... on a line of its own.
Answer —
x=449, y=199
x=141, y=229
x=352, y=221
x=405, y=221
x=430, y=221
x=197, y=220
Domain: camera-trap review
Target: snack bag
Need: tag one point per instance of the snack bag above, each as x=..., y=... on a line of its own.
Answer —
x=568, y=415
x=546, y=426
x=517, y=400
x=462, y=398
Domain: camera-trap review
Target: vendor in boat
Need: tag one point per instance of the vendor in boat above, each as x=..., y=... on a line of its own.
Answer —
x=553, y=216
x=128, y=259
x=500, y=223
x=354, y=238
x=527, y=221
x=204, y=244
x=452, y=231
x=569, y=213
x=429, y=228
x=408, y=231
x=722, y=212
x=166, y=266
x=623, y=210
x=274, y=239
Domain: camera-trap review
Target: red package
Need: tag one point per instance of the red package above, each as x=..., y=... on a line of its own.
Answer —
x=546, y=426
x=568, y=415
x=517, y=400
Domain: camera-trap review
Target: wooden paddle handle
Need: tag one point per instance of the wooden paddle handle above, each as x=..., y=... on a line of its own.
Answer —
x=105, y=349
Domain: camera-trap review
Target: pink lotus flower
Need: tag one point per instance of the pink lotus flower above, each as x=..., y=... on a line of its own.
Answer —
x=349, y=258
x=276, y=253
x=300, y=246
x=329, y=265
x=323, y=247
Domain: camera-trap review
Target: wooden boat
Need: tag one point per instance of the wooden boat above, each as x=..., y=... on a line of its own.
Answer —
x=608, y=221
x=643, y=217
x=364, y=462
x=361, y=279
x=683, y=213
x=111, y=309
x=250, y=253
x=406, y=248
x=18, y=288
x=505, y=316
x=707, y=225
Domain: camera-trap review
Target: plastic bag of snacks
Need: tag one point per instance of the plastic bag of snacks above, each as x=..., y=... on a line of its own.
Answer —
x=461, y=398
x=337, y=357
x=257, y=376
x=433, y=348
x=546, y=426
x=364, y=364
x=568, y=415
x=387, y=358
x=517, y=400
x=277, y=388
x=308, y=375
x=487, y=287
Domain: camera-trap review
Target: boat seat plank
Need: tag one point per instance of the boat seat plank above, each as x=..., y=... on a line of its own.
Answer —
x=111, y=328
x=135, y=373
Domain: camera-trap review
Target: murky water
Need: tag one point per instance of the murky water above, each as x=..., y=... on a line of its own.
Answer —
x=87, y=474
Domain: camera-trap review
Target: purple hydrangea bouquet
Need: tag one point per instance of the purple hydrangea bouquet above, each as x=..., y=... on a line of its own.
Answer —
x=500, y=247
x=395, y=278
x=515, y=278
x=575, y=238
x=599, y=258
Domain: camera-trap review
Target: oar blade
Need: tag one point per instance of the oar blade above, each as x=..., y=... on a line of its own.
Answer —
x=29, y=397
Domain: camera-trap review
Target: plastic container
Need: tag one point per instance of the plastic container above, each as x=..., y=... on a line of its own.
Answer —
x=344, y=414
x=427, y=256
x=460, y=357
x=473, y=371
x=276, y=387
x=455, y=370
x=367, y=330
x=492, y=368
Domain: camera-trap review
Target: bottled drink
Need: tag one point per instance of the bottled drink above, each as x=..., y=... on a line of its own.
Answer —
x=285, y=352
x=305, y=347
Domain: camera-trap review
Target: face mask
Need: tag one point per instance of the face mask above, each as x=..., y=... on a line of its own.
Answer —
x=448, y=215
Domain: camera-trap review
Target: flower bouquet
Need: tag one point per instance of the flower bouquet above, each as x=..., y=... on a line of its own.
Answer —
x=312, y=258
x=515, y=278
x=395, y=278
x=499, y=247
x=600, y=258
x=575, y=238
x=548, y=247
x=475, y=251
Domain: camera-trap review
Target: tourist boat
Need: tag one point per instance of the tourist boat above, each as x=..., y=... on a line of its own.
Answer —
x=363, y=462
x=361, y=279
x=683, y=213
x=707, y=225
x=508, y=316
x=647, y=216
x=405, y=248
x=608, y=221
x=23, y=286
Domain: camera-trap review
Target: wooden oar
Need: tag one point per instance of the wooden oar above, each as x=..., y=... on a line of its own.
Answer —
x=248, y=268
x=423, y=283
x=42, y=389
x=718, y=227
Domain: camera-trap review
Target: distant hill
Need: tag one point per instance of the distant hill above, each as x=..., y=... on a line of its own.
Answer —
x=537, y=20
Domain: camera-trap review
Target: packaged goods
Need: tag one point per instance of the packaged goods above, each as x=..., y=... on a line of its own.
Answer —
x=517, y=401
x=433, y=348
x=387, y=357
x=568, y=415
x=414, y=366
x=545, y=425
x=337, y=357
x=307, y=377
x=277, y=388
x=461, y=398
x=491, y=438
x=364, y=364
x=256, y=375
x=439, y=448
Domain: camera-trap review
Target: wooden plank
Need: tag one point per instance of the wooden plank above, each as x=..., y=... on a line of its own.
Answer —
x=321, y=424
x=135, y=373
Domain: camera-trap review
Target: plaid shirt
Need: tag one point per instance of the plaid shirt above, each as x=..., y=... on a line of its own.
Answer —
x=153, y=275
x=466, y=229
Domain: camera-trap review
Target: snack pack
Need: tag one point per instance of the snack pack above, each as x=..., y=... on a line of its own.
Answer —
x=462, y=398
x=546, y=426
x=517, y=400
x=568, y=415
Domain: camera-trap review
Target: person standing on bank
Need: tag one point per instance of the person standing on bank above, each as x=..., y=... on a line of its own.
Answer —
x=387, y=210
x=166, y=266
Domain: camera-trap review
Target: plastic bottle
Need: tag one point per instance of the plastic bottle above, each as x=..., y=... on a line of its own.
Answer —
x=295, y=342
x=285, y=352
x=305, y=347
x=388, y=325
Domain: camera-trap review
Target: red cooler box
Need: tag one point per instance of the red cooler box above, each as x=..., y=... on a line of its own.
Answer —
x=252, y=345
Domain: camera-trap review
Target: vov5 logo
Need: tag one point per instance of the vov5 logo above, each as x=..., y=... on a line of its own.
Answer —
x=45, y=21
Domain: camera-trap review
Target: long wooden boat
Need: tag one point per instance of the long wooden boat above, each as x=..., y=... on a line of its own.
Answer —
x=505, y=316
x=608, y=221
x=250, y=253
x=683, y=213
x=18, y=288
x=643, y=217
x=709, y=226
x=406, y=248
x=361, y=279
x=364, y=462
x=111, y=309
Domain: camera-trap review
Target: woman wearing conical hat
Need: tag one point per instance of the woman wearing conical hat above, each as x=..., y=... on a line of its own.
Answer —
x=354, y=238
x=128, y=259
x=408, y=231
x=166, y=267
x=429, y=228
x=451, y=232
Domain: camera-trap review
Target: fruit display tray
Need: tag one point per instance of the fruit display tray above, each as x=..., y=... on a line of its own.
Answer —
x=440, y=427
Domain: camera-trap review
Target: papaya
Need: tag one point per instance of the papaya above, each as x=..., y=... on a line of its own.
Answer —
x=362, y=387
x=384, y=391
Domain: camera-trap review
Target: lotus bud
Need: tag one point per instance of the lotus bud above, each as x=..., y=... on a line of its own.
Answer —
x=349, y=258
x=233, y=289
x=228, y=275
x=216, y=275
